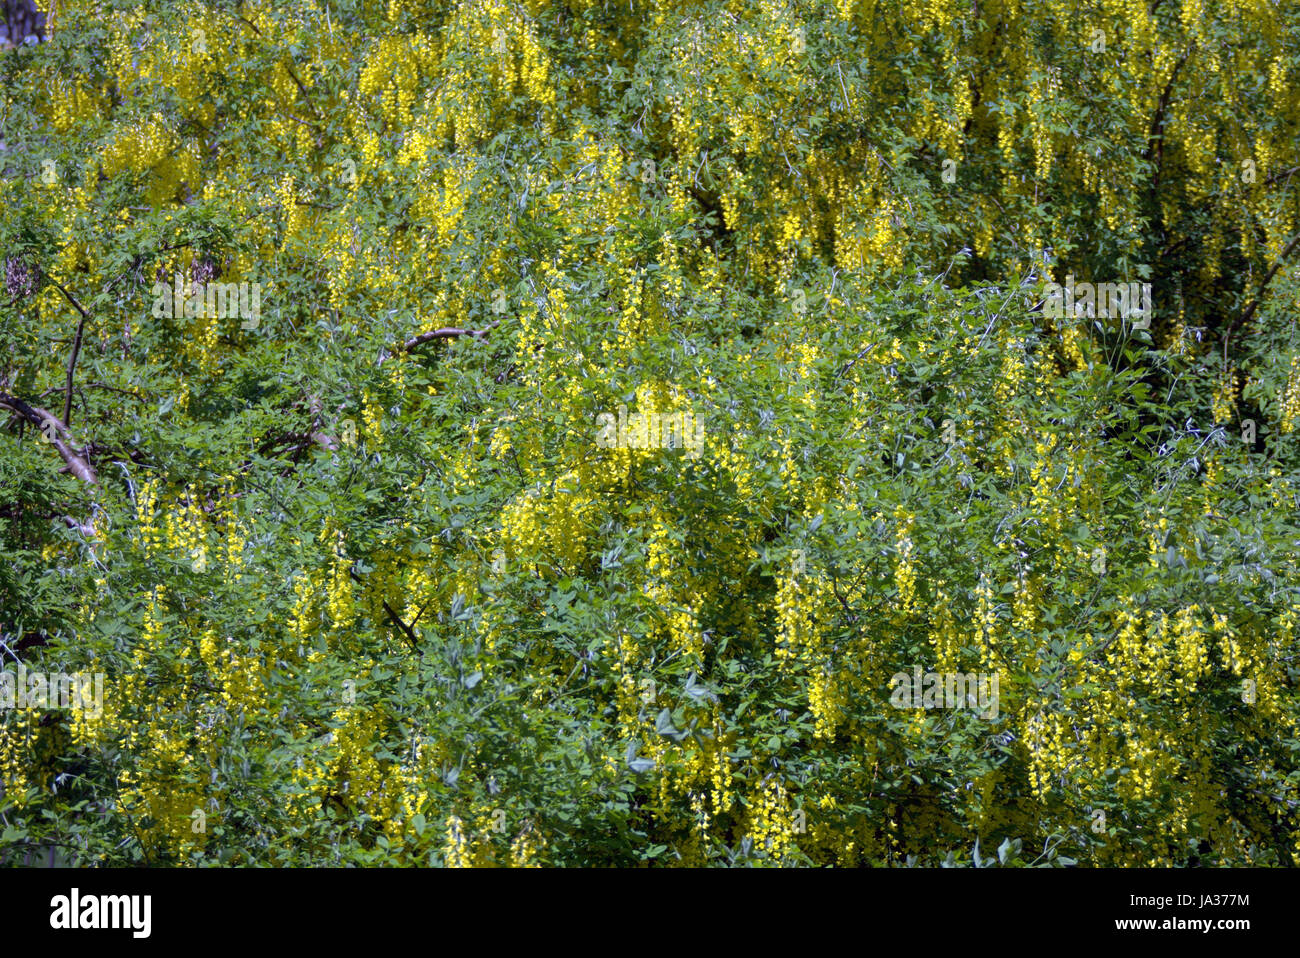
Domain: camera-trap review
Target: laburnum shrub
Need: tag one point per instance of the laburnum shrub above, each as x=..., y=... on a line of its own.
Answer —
x=399, y=557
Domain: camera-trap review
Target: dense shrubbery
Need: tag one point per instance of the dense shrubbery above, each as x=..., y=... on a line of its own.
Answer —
x=363, y=596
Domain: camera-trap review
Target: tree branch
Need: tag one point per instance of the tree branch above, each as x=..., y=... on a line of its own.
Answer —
x=98, y=385
x=298, y=441
x=449, y=332
x=393, y=616
x=288, y=69
x=76, y=347
x=1249, y=311
x=1156, y=136
x=76, y=462
x=1217, y=196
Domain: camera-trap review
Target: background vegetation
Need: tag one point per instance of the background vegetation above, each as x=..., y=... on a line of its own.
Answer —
x=366, y=600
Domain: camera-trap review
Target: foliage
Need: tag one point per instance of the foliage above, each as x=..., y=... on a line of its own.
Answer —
x=362, y=600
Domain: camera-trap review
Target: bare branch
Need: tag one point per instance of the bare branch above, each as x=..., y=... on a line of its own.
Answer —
x=450, y=332
x=75, y=461
x=76, y=347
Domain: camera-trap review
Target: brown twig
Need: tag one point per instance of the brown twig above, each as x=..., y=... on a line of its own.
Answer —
x=450, y=332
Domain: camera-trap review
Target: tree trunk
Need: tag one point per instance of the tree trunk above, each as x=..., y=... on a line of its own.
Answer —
x=21, y=20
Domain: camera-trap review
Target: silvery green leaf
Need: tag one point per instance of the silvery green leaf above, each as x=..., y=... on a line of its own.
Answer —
x=664, y=723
